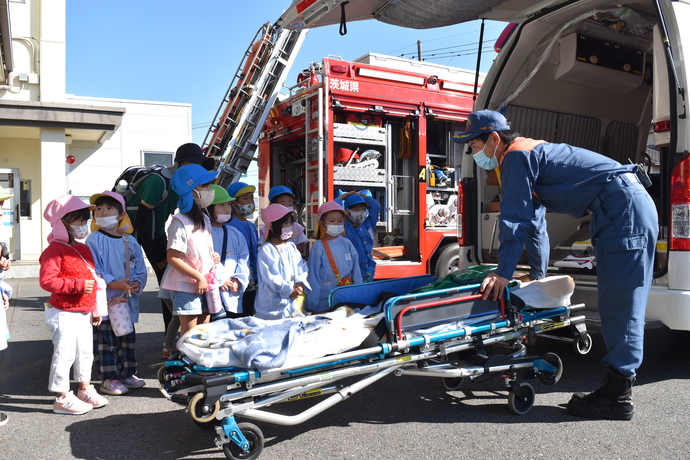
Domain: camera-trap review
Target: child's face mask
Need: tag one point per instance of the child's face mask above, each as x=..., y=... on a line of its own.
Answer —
x=79, y=232
x=223, y=218
x=204, y=197
x=358, y=218
x=335, y=230
x=107, y=223
x=287, y=232
x=245, y=209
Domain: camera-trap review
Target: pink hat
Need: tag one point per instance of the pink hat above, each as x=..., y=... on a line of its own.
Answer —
x=330, y=206
x=125, y=225
x=269, y=214
x=56, y=210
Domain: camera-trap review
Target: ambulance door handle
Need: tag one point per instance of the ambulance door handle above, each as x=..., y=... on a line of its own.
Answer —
x=494, y=230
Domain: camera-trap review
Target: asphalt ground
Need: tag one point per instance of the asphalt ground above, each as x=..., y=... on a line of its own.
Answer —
x=395, y=418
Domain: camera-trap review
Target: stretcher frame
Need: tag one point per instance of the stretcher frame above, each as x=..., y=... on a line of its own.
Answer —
x=218, y=395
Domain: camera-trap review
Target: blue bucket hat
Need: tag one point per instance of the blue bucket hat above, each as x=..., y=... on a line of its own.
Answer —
x=353, y=200
x=279, y=190
x=483, y=121
x=240, y=188
x=185, y=179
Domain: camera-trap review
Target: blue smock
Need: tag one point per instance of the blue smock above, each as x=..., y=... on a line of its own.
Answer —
x=251, y=235
x=109, y=257
x=279, y=269
x=362, y=237
x=234, y=256
x=624, y=228
x=321, y=277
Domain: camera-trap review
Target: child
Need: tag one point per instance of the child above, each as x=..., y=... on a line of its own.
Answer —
x=333, y=260
x=233, y=271
x=362, y=215
x=6, y=290
x=191, y=258
x=68, y=273
x=242, y=207
x=283, y=195
x=120, y=262
x=282, y=272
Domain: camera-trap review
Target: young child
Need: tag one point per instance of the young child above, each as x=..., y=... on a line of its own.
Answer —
x=281, y=269
x=333, y=260
x=242, y=207
x=191, y=258
x=120, y=262
x=360, y=226
x=283, y=195
x=6, y=291
x=233, y=271
x=68, y=273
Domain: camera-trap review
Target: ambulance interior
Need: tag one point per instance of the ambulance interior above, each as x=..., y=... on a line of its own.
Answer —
x=594, y=82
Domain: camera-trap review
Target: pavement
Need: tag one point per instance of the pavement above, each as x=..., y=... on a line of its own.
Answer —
x=397, y=418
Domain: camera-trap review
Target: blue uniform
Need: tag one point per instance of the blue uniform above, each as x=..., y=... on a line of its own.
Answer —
x=362, y=237
x=321, y=277
x=624, y=228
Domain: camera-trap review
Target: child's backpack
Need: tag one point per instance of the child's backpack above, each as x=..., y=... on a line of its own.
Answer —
x=132, y=177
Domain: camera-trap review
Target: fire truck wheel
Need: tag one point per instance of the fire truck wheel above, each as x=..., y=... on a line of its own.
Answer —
x=448, y=260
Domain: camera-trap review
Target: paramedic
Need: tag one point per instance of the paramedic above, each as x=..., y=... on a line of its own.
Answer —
x=535, y=176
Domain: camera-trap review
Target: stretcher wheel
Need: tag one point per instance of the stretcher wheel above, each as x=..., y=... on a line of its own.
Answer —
x=452, y=383
x=548, y=378
x=254, y=437
x=200, y=412
x=161, y=374
x=521, y=398
x=583, y=343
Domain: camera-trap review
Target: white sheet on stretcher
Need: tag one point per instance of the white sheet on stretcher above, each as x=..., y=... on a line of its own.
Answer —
x=550, y=292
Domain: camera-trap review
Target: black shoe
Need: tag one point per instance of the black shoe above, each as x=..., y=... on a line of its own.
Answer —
x=612, y=401
x=3, y=418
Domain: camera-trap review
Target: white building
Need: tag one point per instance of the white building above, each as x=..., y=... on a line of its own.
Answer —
x=42, y=128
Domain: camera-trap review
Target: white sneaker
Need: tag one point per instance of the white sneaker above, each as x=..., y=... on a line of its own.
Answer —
x=70, y=404
x=90, y=396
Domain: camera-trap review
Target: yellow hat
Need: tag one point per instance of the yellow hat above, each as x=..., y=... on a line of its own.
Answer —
x=125, y=225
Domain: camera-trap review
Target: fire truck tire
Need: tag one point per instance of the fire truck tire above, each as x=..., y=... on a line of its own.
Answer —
x=447, y=260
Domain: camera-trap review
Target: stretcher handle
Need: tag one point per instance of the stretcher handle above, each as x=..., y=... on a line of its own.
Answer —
x=398, y=318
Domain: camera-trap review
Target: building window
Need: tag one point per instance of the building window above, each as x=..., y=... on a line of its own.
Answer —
x=158, y=158
x=25, y=198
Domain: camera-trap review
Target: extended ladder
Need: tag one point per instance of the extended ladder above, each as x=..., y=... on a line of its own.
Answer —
x=233, y=136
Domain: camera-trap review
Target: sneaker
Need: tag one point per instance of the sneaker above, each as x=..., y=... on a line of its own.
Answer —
x=113, y=387
x=70, y=404
x=3, y=418
x=167, y=352
x=89, y=395
x=134, y=382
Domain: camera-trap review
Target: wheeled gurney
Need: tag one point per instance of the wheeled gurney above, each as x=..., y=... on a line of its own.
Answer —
x=440, y=333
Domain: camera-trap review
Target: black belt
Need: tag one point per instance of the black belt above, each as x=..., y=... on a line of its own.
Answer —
x=616, y=184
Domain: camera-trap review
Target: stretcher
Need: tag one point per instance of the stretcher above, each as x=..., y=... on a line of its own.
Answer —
x=451, y=334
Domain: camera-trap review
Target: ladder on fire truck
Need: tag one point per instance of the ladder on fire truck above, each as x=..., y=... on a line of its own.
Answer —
x=233, y=136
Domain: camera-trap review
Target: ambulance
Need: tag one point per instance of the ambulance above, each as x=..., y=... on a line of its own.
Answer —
x=604, y=75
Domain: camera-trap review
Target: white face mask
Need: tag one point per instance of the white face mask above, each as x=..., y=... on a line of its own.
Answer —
x=205, y=197
x=245, y=209
x=223, y=218
x=287, y=233
x=107, y=222
x=335, y=230
x=80, y=232
x=358, y=218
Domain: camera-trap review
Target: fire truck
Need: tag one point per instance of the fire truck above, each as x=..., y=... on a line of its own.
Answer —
x=383, y=125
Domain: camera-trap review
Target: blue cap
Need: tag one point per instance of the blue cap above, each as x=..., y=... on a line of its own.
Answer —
x=483, y=121
x=185, y=179
x=240, y=188
x=353, y=200
x=279, y=190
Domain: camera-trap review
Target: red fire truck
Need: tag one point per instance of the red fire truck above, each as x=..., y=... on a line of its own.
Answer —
x=381, y=124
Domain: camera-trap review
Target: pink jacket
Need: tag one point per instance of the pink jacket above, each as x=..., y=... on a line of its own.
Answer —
x=198, y=256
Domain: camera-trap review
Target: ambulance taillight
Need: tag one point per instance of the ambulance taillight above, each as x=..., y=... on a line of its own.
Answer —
x=680, y=207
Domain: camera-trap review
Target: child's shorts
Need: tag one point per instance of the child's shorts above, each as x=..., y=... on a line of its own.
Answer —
x=188, y=303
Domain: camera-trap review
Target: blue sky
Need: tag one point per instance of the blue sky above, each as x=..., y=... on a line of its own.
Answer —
x=182, y=51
